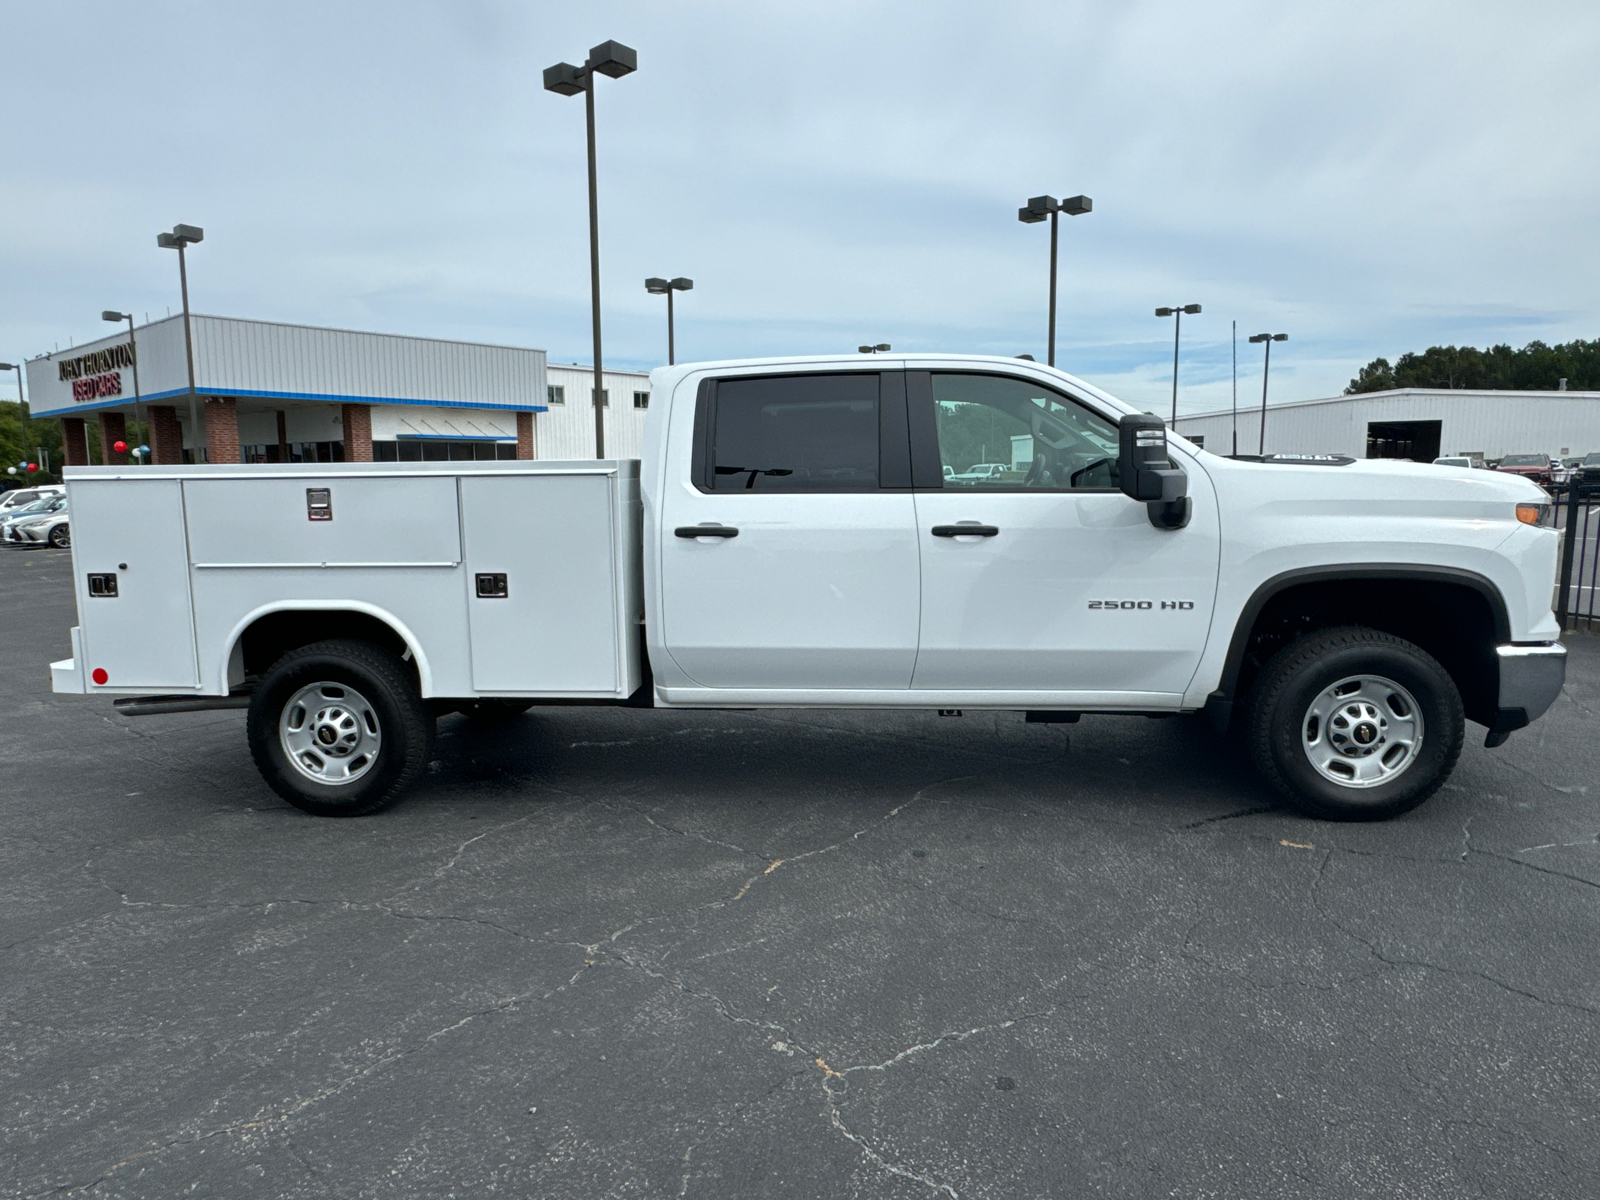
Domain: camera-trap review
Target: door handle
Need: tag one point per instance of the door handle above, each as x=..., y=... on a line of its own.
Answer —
x=700, y=531
x=965, y=530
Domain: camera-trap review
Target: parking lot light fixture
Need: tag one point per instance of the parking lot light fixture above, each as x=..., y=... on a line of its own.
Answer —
x=1266, y=369
x=1032, y=213
x=665, y=287
x=564, y=79
x=1176, y=311
x=181, y=237
x=880, y=348
x=133, y=354
x=17, y=367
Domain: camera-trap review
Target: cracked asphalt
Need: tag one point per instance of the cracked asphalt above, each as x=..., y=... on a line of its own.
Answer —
x=616, y=953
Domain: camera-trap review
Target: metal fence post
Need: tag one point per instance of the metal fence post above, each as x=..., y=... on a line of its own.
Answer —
x=1568, y=545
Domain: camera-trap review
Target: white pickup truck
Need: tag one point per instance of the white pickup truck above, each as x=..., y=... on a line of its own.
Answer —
x=797, y=534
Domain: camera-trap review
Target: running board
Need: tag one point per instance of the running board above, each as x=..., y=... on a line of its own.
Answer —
x=146, y=706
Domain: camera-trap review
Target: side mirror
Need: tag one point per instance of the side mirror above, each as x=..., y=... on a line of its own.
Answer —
x=1146, y=471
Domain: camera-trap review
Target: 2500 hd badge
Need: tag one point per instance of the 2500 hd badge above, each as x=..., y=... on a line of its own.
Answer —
x=1123, y=605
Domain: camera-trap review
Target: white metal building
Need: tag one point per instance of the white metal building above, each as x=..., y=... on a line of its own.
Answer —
x=272, y=392
x=1417, y=423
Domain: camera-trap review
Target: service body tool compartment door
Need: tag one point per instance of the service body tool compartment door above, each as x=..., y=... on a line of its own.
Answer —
x=817, y=586
x=545, y=593
x=133, y=531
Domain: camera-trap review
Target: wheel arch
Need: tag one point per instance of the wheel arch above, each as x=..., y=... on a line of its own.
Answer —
x=1323, y=596
x=265, y=634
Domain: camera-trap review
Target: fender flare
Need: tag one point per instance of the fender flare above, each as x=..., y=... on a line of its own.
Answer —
x=1354, y=572
x=424, y=671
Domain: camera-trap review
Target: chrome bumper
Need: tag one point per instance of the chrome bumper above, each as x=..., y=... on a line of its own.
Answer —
x=1530, y=680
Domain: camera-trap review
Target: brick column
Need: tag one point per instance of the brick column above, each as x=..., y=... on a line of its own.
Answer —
x=74, y=445
x=357, y=432
x=113, y=429
x=166, y=436
x=222, y=429
x=527, y=440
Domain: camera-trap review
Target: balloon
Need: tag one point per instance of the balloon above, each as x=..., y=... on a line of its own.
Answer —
x=120, y=447
x=11, y=470
x=33, y=466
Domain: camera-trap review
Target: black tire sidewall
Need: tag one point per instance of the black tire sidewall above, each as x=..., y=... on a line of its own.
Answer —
x=363, y=668
x=60, y=537
x=1437, y=700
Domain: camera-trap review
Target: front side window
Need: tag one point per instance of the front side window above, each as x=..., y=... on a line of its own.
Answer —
x=1000, y=432
x=799, y=433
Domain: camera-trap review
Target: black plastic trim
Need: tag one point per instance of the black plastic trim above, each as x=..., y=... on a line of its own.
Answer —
x=1350, y=573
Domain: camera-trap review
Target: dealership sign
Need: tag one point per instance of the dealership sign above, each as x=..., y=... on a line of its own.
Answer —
x=98, y=375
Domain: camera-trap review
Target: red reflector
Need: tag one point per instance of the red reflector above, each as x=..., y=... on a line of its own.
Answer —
x=99, y=675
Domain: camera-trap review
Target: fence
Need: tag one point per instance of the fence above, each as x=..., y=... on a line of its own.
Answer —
x=1577, y=515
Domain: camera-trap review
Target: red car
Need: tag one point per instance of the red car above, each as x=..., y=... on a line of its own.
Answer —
x=1530, y=466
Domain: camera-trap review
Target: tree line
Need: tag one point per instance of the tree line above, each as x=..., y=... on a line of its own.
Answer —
x=1536, y=367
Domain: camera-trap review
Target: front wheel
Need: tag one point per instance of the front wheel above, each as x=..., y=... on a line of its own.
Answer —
x=338, y=730
x=61, y=536
x=1352, y=724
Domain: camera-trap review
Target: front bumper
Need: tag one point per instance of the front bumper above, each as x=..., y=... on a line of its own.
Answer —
x=1531, y=678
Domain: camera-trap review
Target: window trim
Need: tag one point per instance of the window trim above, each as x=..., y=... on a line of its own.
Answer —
x=927, y=467
x=894, y=442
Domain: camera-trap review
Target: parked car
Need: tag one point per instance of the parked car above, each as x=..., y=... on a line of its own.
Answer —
x=1453, y=460
x=49, y=528
x=20, y=497
x=1530, y=466
x=39, y=524
x=981, y=473
x=1588, y=472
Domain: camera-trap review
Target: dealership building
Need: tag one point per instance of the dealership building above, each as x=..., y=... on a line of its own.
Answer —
x=267, y=392
x=1415, y=423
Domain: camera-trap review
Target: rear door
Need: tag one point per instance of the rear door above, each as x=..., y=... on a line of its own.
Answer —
x=808, y=574
x=139, y=627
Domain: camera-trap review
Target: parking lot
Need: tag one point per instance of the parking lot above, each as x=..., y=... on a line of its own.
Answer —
x=605, y=952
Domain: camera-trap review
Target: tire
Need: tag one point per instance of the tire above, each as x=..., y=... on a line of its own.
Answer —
x=1351, y=724
x=61, y=536
x=351, y=707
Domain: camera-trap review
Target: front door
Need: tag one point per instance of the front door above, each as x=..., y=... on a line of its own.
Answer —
x=1064, y=585
x=807, y=576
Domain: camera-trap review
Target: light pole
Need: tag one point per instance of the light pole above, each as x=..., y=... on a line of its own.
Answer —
x=1036, y=210
x=616, y=60
x=17, y=367
x=665, y=287
x=1266, y=368
x=133, y=353
x=180, y=237
x=1177, y=310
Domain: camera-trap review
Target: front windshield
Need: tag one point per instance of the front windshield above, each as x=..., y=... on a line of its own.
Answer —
x=1524, y=460
x=44, y=505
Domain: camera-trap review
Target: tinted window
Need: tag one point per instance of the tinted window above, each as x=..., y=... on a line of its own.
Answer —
x=23, y=497
x=799, y=433
x=1524, y=460
x=1592, y=460
x=996, y=431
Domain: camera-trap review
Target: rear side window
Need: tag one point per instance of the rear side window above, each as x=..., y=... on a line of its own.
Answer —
x=796, y=433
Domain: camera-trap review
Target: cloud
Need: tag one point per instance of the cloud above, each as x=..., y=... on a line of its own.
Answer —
x=1368, y=177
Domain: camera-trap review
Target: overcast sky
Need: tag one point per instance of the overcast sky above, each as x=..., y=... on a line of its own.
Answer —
x=1368, y=178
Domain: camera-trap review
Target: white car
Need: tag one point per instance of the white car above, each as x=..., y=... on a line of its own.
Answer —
x=17, y=498
x=42, y=523
x=980, y=472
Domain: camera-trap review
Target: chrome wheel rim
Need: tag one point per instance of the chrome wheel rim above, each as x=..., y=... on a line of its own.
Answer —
x=330, y=733
x=1362, y=731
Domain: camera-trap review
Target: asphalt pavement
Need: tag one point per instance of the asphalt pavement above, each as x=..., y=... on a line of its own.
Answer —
x=618, y=953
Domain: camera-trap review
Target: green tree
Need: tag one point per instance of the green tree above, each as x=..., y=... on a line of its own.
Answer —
x=21, y=437
x=1536, y=367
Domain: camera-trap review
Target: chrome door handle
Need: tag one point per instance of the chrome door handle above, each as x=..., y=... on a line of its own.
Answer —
x=700, y=531
x=965, y=530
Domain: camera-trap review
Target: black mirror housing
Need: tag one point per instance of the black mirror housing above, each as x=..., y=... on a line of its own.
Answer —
x=1146, y=472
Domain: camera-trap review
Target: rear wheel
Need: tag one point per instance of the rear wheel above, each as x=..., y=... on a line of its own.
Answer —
x=338, y=730
x=1351, y=724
